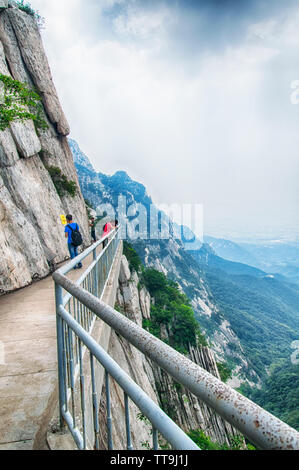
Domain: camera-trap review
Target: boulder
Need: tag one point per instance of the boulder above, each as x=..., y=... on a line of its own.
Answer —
x=8, y=150
x=124, y=274
x=25, y=137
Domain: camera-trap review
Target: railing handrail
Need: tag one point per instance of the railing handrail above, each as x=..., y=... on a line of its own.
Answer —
x=260, y=427
x=71, y=355
x=149, y=408
x=92, y=248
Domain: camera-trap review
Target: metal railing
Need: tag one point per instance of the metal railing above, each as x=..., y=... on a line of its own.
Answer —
x=93, y=279
x=75, y=321
x=260, y=427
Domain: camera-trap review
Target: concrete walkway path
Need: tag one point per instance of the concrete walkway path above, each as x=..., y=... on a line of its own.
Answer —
x=28, y=364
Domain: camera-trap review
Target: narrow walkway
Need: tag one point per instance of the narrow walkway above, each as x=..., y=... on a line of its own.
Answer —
x=28, y=371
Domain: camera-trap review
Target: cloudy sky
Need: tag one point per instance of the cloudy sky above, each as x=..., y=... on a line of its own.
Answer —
x=191, y=98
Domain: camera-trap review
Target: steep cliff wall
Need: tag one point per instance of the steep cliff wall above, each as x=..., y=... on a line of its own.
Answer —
x=183, y=407
x=30, y=227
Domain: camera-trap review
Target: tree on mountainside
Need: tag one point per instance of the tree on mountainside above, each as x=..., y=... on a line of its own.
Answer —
x=19, y=103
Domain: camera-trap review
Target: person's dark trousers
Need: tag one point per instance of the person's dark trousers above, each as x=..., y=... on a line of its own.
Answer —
x=93, y=236
x=73, y=253
x=105, y=243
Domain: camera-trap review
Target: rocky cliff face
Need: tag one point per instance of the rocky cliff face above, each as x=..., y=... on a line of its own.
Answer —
x=183, y=407
x=30, y=229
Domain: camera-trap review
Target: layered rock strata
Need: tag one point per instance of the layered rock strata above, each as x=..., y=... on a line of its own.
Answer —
x=31, y=233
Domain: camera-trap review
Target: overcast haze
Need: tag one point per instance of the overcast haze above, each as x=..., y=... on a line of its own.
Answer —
x=191, y=98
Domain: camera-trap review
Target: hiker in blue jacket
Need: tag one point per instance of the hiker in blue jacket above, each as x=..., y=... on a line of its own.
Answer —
x=70, y=228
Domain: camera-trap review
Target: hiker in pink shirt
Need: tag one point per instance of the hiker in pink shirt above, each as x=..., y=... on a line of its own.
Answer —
x=108, y=227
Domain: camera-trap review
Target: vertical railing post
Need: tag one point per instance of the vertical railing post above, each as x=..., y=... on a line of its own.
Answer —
x=60, y=361
x=127, y=415
x=155, y=439
x=82, y=392
x=94, y=404
x=109, y=417
x=96, y=278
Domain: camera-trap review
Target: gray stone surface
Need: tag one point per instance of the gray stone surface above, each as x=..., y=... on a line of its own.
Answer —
x=3, y=64
x=125, y=274
x=24, y=135
x=30, y=207
x=145, y=303
x=3, y=4
x=8, y=150
x=12, y=51
x=21, y=252
x=35, y=60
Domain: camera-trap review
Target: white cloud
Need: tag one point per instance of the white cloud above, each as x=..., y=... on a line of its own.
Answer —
x=141, y=24
x=198, y=129
x=282, y=31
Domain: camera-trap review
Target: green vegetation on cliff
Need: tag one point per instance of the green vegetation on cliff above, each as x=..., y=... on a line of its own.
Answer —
x=61, y=183
x=133, y=258
x=204, y=442
x=19, y=103
x=27, y=8
x=224, y=370
x=172, y=318
x=262, y=312
x=279, y=394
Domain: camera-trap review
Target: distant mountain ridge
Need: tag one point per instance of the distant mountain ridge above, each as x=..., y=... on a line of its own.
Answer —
x=79, y=157
x=207, y=256
x=230, y=250
x=270, y=256
x=100, y=188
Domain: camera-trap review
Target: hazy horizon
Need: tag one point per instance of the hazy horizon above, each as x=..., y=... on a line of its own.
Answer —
x=191, y=98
